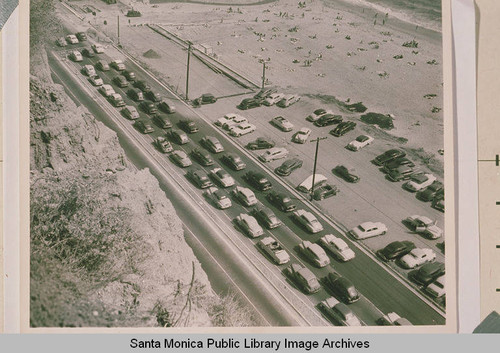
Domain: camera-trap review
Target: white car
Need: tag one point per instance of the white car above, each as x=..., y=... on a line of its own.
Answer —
x=282, y=123
x=314, y=253
x=130, y=112
x=249, y=225
x=106, y=90
x=417, y=257
x=368, y=230
x=181, y=158
x=96, y=80
x=241, y=129
x=273, y=249
x=117, y=64
x=230, y=119
x=360, y=142
x=419, y=182
x=425, y=226
x=288, y=100
x=89, y=70
x=245, y=195
x=222, y=177
x=97, y=48
x=339, y=312
x=302, y=135
x=437, y=288
x=306, y=185
x=273, y=99
x=273, y=154
x=308, y=220
x=338, y=247
x=71, y=39
x=218, y=197
x=76, y=56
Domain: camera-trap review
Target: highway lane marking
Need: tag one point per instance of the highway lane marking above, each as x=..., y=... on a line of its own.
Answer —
x=360, y=246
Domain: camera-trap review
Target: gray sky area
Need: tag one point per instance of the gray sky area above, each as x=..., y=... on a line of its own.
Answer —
x=6, y=8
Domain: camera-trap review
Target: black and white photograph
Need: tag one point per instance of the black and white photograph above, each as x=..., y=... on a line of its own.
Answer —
x=238, y=163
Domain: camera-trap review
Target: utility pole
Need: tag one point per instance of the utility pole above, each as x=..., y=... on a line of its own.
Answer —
x=187, y=73
x=315, y=162
x=263, y=74
x=118, y=17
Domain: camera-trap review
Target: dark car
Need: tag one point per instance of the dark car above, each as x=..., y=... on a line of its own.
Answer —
x=148, y=107
x=388, y=156
x=395, y=250
x=325, y=191
x=207, y=98
x=267, y=217
x=88, y=53
x=282, y=201
x=328, y=119
x=162, y=121
x=135, y=94
x=120, y=81
x=402, y=172
x=129, y=75
x=264, y=93
x=391, y=165
x=260, y=144
x=430, y=192
x=168, y=108
x=203, y=157
x=143, y=127
x=81, y=36
x=342, y=288
x=343, y=128
x=249, y=103
x=234, y=161
x=188, y=125
x=153, y=96
x=346, y=173
x=200, y=178
x=438, y=201
x=427, y=273
x=142, y=85
x=288, y=166
x=257, y=180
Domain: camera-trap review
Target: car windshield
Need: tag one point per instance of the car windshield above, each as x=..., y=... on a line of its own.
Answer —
x=220, y=195
x=361, y=228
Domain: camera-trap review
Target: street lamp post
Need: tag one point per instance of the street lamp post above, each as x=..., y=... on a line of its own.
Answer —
x=187, y=73
x=315, y=162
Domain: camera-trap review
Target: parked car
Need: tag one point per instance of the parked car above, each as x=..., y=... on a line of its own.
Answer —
x=306, y=185
x=339, y=312
x=328, y=119
x=303, y=278
x=166, y=107
x=61, y=42
x=148, y=107
x=424, y=225
x=106, y=90
x=264, y=93
x=395, y=163
x=178, y=136
x=343, y=128
x=288, y=166
x=222, y=177
x=257, y=180
x=318, y=113
x=427, y=273
x=314, y=253
x=135, y=94
x=97, y=48
x=117, y=64
x=234, y=161
x=72, y=39
x=272, y=248
x=302, y=135
x=102, y=65
x=207, y=98
x=230, y=119
x=130, y=112
x=419, y=182
x=261, y=143
x=438, y=202
x=200, y=178
x=163, y=144
x=188, y=125
x=202, y=156
x=267, y=217
x=245, y=196
x=395, y=250
x=367, y=230
x=153, y=96
x=120, y=81
x=282, y=123
x=342, y=288
x=116, y=100
x=417, y=257
x=129, y=75
x=282, y=201
x=430, y=192
x=96, y=80
x=403, y=172
x=87, y=53
x=437, y=288
x=242, y=129
x=288, y=100
x=248, y=103
x=393, y=319
x=89, y=70
x=388, y=156
x=273, y=98
x=338, y=247
x=360, y=142
x=212, y=144
x=82, y=37
x=249, y=225
x=346, y=173
x=143, y=127
x=325, y=191
x=142, y=85
x=162, y=121
x=181, y=158
x=218, y=197
x=308, y=221
x=76, y=56
x=273, y=154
